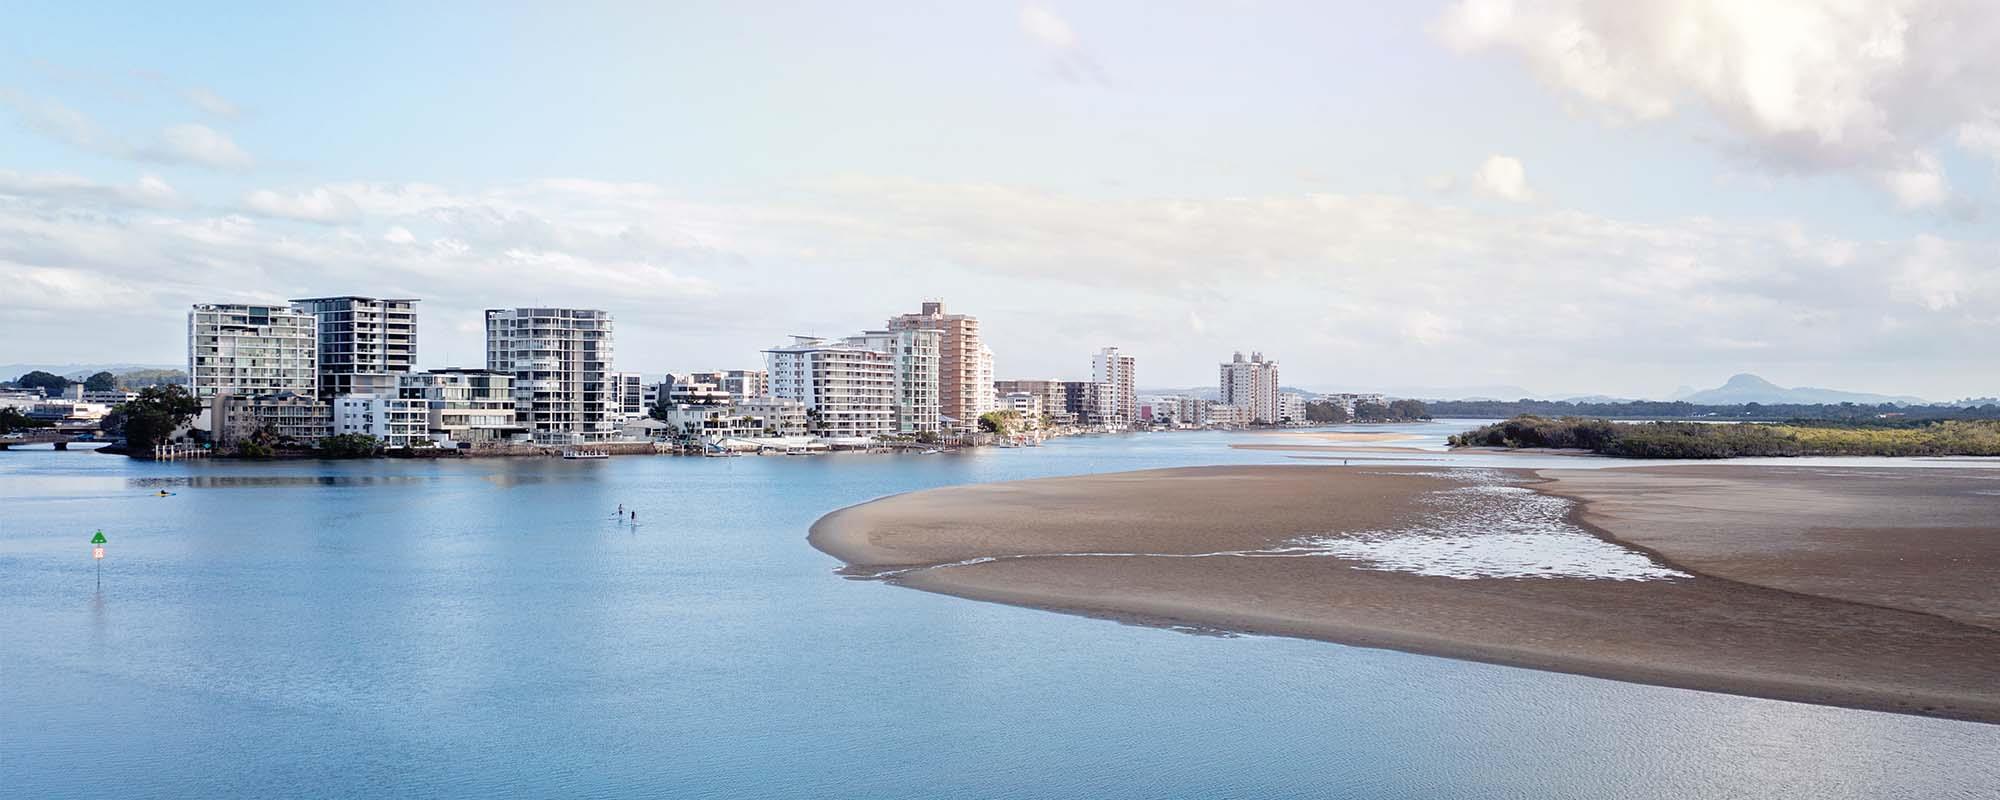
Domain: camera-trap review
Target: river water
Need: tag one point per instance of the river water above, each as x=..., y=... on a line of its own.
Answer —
x=487, y=628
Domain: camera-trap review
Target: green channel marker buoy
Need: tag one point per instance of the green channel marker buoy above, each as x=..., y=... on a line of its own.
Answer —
x=97, y=555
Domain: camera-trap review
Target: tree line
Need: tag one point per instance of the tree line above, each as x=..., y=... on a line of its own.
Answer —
x=1762, y=412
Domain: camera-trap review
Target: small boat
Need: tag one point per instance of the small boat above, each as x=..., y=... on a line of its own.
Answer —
x=585, y=454
x=932, y=451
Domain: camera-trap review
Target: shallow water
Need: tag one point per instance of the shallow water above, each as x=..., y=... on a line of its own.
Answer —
x=472, y=629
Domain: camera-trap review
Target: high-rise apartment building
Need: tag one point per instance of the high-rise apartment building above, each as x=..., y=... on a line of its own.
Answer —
x=251, y=350
x=364, y=343
x=848, y=390
x=965, y=365
x=561, y=362
x=1114, y=370
x=1253, y=385
x=913, y=352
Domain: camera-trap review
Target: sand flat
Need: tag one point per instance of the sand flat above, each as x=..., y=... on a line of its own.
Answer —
x=1230, y=548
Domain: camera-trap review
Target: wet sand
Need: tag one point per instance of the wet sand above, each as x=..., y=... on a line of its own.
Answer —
x=1889, y=602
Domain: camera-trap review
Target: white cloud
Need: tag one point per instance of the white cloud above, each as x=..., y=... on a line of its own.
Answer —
x=197, y=144
x=1932, y=275
x=189, y=143
x=1069, y=60
x=1503, y=177
x=211, y=103
x=1800, y=85
x=1918, y=183
x=320, y=204
x=1358, y=284
x=150, y=191
x=1046, y=27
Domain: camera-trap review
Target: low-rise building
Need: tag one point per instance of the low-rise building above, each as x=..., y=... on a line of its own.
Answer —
x=1223, y=415
x=292, y=418
x=758, y=419
x=1291, y=408
x=1027, y=404
x=396, y=422
x=741, y=384
x=465, y=406
x=694, y=389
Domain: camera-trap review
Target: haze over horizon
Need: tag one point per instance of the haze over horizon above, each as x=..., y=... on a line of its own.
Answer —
x=1617, y=199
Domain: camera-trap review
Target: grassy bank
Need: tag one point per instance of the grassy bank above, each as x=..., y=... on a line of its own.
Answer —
x=1699, y=440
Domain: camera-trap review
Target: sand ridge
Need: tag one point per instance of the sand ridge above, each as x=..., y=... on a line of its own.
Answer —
x=1219, y=547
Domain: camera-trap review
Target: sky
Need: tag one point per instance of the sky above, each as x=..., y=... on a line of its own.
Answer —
x=1573, y=197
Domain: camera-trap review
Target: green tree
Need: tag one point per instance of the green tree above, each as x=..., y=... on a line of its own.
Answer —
x=153, y=416
x=1371, y=412
x=100, y=382
x=999, y=422
x=349, y=445
x=1326, y=412
x=1409, y=409
x=49, y=382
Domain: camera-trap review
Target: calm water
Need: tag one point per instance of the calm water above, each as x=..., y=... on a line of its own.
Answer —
x=472, y=629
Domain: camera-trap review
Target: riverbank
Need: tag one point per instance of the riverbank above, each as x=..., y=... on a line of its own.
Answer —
x=1412, y=560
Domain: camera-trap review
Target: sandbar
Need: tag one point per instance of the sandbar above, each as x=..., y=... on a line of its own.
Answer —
x=1891, y=602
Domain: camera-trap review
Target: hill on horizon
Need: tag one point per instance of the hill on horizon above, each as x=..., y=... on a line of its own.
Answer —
x=1748, y=388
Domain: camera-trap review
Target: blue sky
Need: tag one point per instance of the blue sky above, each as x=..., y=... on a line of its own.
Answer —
x=1565, y=195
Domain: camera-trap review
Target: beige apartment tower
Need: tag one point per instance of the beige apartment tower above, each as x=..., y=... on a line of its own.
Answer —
x=965, y=365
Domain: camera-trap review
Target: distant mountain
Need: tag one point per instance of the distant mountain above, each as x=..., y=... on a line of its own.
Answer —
x=1746, y=388
x=9, y=372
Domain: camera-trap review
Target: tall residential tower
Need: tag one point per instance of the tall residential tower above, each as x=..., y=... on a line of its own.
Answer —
x=251, y=350
x=965, y=366
x=1114, y=371
x=364, y=343
x=561, y=362
x=1252, y=385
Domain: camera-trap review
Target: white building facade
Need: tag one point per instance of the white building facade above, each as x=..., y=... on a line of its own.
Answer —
x=364, y=343
x=1117, y=373
x=465, y=406
x=251, y=350
x=1252, y=384
x=847, y=390
x=560, y=359
x=913, y=355
x=396, y=422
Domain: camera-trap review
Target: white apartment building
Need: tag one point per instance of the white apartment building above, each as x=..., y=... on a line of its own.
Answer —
x=465, y=406
x=695, y=389
x=1114, y=370
x=251, y=350
x=758, y=419
x=395, y=421
x=1226, y=415
x=913, y=352
x=628, y=396
x=294, y=418
x=364, y=343
x=965, y=365
x=561, y=362
x=741, y=384
x=1291, y=407
x=1027, y=404
x=1252, y=384
x=848, y=390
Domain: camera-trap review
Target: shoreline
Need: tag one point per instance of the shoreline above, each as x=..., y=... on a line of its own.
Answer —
x=1712, y=630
